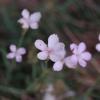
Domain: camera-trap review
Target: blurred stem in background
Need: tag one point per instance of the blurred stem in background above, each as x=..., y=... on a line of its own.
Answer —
x=21, y=40
x=9, y=66
x=43, y=78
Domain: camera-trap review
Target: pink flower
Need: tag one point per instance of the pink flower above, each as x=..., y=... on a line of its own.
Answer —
x=79, y=54
x=98, y=45
x=28, y=20
x=54, y=51
x=16, y=53
x=58, y=66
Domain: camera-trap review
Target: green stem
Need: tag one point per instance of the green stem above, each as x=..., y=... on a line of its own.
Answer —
x=33, y=85
x=12, y=91
x=22, y=37
x=34, y=71
x=7, y=65
x=9, y=71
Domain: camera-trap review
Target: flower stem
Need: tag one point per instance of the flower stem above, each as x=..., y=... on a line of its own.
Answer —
x=22, y=37
x=13, y=91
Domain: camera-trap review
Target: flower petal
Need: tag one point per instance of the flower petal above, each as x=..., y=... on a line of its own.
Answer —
x=86, y=56
x=13, y=48
x=25, y=13
x=34, y=25
x=21, y=51
x=59, y=46
x=74, y=48
x=82, y=63
x=69, y=63
x=99, y=37
x=39, y=44
x=74, y=59
x=81, y=47
x=10, y=55
x=98, y=47
x=42, y=55
x=25, y=24
x=58, y=52
x=59, y=49
x=58, y=66
x=35, y=17
x=54, y=57
x=18, y=58
x=52, y=40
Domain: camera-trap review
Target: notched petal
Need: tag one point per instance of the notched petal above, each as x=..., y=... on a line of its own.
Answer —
x=52, y=40
x=81, y=47
x=39, y=44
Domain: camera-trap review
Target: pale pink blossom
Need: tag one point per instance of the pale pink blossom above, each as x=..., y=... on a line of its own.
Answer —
x=54, y=51
x=80, y=55
x=16, y=53
x=98, y=44
x=58, y=66
x=30, y=20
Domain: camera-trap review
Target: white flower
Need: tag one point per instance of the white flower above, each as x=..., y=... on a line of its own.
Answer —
x=30, y=20
x=54, y=51
x=16, y=53
x=98, y=45
x=79, y=54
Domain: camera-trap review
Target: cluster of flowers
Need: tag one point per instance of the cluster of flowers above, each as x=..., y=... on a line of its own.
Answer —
x=54, y=50
x=27, y=21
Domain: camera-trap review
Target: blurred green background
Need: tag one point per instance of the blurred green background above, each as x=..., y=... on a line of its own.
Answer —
x=73, y=21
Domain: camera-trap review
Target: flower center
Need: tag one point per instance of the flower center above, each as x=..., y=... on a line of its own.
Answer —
x=49, y=50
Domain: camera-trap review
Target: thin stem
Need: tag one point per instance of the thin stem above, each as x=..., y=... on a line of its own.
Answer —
x=22, y=37
x=7, y=65
x=9, y=71
x=33, y=85
x=12, y=91
x=34, y=71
